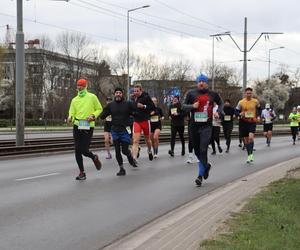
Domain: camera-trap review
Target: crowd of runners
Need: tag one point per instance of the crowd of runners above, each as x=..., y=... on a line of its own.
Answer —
x=126, y=119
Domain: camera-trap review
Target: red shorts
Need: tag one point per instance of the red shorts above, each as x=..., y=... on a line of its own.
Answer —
x=144, y=126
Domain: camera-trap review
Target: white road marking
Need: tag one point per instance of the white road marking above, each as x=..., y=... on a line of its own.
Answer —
x=36, y=177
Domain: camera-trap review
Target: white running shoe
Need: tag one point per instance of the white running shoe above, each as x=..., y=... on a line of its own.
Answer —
x=155, y=156
x=190, y=159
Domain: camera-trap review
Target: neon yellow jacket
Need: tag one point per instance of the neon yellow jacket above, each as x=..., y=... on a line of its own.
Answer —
x=294, y=118
x=82, y=107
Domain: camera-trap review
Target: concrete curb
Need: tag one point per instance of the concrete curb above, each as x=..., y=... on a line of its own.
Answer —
x=185, y=227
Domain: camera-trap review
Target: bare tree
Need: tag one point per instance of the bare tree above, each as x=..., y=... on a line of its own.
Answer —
x=75, y=46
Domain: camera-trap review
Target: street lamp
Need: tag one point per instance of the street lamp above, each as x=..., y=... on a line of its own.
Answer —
x=269, y=61
x=218, y=37
x=128, y=76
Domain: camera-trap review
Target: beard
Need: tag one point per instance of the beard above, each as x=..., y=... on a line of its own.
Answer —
x=118, y=98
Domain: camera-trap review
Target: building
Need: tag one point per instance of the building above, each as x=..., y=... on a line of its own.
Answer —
x=50, y=81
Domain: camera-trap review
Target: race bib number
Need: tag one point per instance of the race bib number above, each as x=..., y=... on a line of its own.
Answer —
x=249, y=114
x=128, y=130
x=84, y=125
x=268, y=119
x=200, y=116
x=227, y=118
x=173, y=111
x=108, y=119
x=154, y=118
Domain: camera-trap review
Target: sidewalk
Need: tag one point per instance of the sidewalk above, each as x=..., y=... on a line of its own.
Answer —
x=185, y=227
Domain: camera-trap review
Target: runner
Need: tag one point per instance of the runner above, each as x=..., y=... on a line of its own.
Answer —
x=298, y=112
x=216, y=132
x=120, y=111
x=141, y=122
x=156, y=118
x=84, y=109
x=248, y=109
x=294, y=118
x=200, y=103
x=268, y=116
x=107, y=132
x=227, y=122
x=177, y=114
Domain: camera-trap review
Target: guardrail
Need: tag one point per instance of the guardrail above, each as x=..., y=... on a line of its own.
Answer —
x=61, y=144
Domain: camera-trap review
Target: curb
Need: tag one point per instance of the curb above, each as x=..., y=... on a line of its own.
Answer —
x=185, y=227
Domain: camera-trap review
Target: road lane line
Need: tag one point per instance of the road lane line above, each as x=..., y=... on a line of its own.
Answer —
x=36, y=177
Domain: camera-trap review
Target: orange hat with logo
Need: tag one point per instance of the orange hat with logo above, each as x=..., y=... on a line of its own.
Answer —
x=82, y=83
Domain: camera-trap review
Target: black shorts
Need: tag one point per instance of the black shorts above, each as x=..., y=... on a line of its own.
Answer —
x=246, y=128
x=155, y=125
x=107, y=126
x=268, y=127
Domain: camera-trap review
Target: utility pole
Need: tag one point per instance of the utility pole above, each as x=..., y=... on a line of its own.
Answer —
x=218, y=37
x=269, y=61
x=20, y=65
x=246, y=50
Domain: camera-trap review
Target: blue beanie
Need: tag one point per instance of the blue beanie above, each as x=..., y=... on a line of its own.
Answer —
x=202, y=77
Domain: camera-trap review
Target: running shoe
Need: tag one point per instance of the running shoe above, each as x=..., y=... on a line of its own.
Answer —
x=108, y=157
x=220, y=149
x=251, y=158
x=213, y=152
x=150, y=155
x=134, y=163
x=190, y=159
x=183, y=152
x=207, y=169
x=97, y=162
x=198, y=181
x=81, y=177
x=155, y=156
x=122, y=172
x=171, y=153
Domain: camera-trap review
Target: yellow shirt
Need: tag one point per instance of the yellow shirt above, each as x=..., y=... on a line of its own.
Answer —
x=249, y=108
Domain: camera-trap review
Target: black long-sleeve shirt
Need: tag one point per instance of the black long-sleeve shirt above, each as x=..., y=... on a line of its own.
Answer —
x=206, y=99
x=143, y=114
x=176, y=120
x=120, y=113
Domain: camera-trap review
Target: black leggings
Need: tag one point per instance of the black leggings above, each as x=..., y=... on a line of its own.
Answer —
x=174, y=130
x=125, y=150
x=215, y=137
x=82, y=140
x=294, y=132
x=201, y=139
x=227, y=128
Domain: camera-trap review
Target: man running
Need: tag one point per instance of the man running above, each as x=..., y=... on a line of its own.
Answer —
x=84, y=109
x=248, y=109
x=120, y=111
x=177, y=115
x=298, y=112
x=294, y=120
x=200, y=103
x=227, y=122
x=141, y=122
x=215, y=138
x=268, y=116
x=107, y=132
x=156, y=118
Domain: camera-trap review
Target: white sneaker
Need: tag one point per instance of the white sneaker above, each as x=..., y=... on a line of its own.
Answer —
x=155, y=156
x=190, y=159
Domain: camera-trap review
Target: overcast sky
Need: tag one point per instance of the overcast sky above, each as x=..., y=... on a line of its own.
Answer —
x=173, y=29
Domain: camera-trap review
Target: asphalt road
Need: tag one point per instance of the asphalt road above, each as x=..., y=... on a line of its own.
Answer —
x=43, y=207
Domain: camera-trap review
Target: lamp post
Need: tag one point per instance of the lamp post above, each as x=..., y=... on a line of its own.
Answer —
x=269, y=61
x=20, y=75
x=128, y=60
